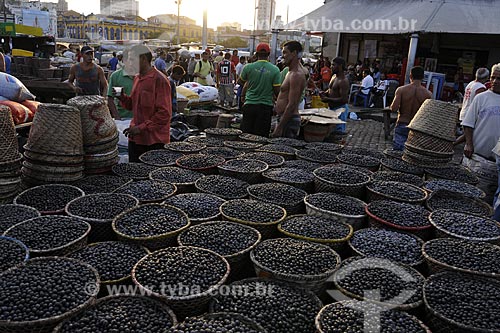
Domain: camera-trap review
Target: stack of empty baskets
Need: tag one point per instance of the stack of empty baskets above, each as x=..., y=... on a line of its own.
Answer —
x=10, y=159
x=100, y=135
x=431, y=136
x=54, y=151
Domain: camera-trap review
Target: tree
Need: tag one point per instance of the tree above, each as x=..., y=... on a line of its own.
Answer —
x=234, y=42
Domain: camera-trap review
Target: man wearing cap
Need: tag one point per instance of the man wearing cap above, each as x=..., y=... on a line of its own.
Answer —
x=290, y=96
x=337, y=95
x=263, y=82
x=151, y=104
x=90, y=79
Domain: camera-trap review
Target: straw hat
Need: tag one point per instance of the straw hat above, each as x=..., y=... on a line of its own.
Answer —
x=9, y=149
x=97, y=124
x=56, y=130
x=437, y=119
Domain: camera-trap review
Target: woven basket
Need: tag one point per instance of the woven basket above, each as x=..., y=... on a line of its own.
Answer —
x=26, y=193
x=97, y=123
x=317, y=155
x=291, y=208
x=274, y=149
x=426, y=161
x=267, y=230
x=238, y=261
x=315, y=283
x=425, y=152
x=336, y=244
x=378, y=262
x=439, y=323
x=46, y=136
x=62, y=250
x=209, y=169
x=185, y=147
x=373, y=195
x=452, y=172
x=201, y=187
x=424, y=232
x=350, y=304
x=208, y=120
x=429, y=143
x=24, y=247
x=253, y=138
x=101, y=228
x=245, y=146
x=160, y=157
x=104, y=146
x=47, y=325
x=9, y=150
x=253, y=177
x=144, y=299
x=355, y=221
x=271, y=176
x=51, y=159
x=436, y=118
x=436, y=266
x=470, y=205
x=354, y=190
x=190, y=305
x=152, y=242
x=166, y=190
x=47, y=177
x=443, y=233
x=231, y=134
x=50, y=169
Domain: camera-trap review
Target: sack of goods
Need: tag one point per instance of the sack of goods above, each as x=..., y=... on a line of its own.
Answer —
x=99, y=131
x=431, y=136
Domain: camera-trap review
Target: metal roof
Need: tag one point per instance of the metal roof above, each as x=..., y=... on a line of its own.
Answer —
x=403, y=16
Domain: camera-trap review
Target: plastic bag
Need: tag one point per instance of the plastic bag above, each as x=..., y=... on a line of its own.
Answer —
x=13, y=89
x=210, y=80
x=20, y=113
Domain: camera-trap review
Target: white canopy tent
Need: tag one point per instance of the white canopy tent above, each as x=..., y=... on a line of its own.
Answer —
x=403, y=16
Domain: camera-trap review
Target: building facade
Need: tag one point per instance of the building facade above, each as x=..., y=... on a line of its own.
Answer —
x=35, y=14
x=266, y=10
x=119, y=7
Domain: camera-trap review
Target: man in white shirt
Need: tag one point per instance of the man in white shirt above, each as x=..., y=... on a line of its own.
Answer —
x=366, y=84
x=473, y=88
x=482, y=132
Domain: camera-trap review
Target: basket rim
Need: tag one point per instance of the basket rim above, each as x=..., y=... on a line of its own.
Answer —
x=390, y=197
x=129, y=180
x=68, y=314
x=18, y=242
x=418, y=239
x=364, y=183
x=199, y=219
x=482, y=193
x=146, y=299
x=252, y=223
x=440, y=316
x=244, y=136
x=316, y=240
x=154, y=237
x=230, y=256
x=308, y=204
x=66, y=209
x=221, y=161
x=189, y=297
x=59, y=248
x=320, y=314
x=392, y=225
x=403, y=307
x=106, y=282
x=444, y=265
x=152, y=200
x=49, y=185
x=309, y=277
x=455, y=235
x=264, y=167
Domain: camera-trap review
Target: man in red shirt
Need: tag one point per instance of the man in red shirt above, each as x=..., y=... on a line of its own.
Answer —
x=235, y=59
x=150, y=103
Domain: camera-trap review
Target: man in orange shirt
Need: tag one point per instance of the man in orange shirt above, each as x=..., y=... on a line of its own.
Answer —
x=326, y=75
x=150, y=103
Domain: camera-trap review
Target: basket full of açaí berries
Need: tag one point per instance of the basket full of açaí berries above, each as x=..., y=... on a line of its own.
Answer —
x=233, y=232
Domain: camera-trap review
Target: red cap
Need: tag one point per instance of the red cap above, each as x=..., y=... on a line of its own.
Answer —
x=263, y=48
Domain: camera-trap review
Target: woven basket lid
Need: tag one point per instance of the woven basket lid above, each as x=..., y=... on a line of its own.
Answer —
x=436, y=118
x=9, y=149
x=56, y=130
x=97, y=124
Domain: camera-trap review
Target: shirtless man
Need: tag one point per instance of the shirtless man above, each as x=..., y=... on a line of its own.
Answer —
x=287, y=104
x=407, y=101
x=337, y=95
x=90, y=79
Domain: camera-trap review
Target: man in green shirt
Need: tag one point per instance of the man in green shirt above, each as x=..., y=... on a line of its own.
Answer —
x=263, y=82
x=125, y=80
x=202, y=69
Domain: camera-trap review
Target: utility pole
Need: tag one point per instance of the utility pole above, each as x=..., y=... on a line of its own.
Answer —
x=178, y=2
x=204, y=33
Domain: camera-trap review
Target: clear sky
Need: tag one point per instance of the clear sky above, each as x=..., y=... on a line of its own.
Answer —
x=218, y=11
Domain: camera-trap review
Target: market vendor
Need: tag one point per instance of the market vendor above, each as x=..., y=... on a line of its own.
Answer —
x=150, y=103
x=337, y=95
x=89, y=77
x=122, y=78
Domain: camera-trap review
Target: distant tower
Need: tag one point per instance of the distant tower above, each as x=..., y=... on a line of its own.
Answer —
x=265, y=14
x=62, y=6
x=120, y=7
